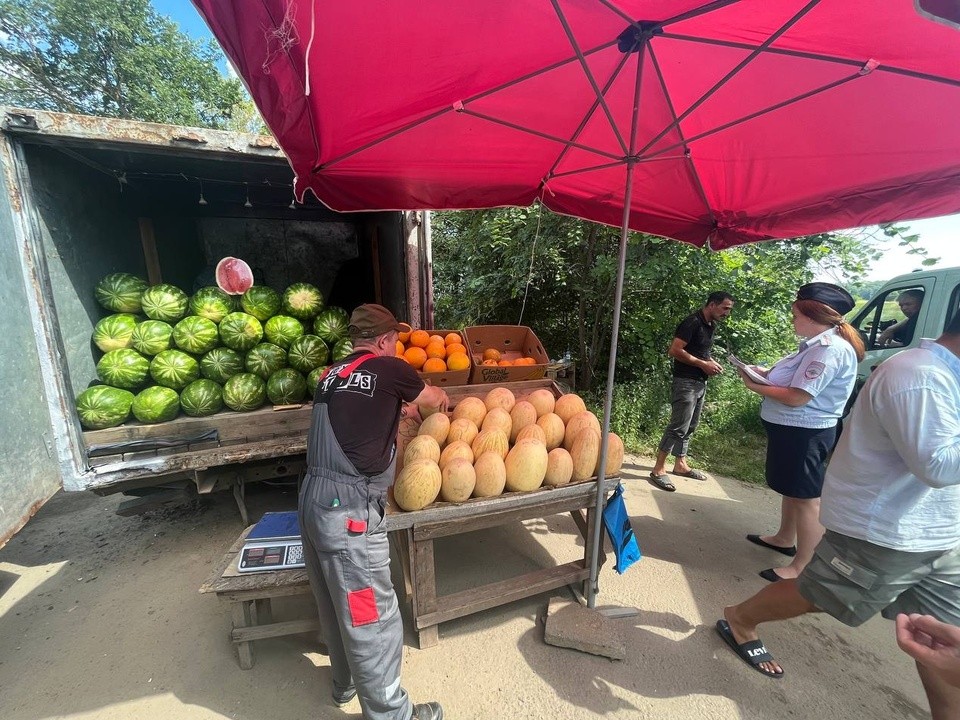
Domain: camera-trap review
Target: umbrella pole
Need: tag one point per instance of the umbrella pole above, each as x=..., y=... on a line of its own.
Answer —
x=592, y=586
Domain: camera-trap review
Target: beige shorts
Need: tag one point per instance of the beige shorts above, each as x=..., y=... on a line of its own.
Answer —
x=853, y=580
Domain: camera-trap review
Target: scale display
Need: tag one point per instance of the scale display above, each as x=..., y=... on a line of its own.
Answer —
x=273, y=544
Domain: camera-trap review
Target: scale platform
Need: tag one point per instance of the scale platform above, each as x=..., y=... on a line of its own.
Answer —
x=273, y=544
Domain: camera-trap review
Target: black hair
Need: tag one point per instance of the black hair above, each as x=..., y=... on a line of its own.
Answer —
x=915, y=293
x=717, y=297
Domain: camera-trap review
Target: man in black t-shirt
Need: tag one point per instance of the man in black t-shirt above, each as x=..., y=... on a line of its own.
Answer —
x=692, y=365
x=350, y=465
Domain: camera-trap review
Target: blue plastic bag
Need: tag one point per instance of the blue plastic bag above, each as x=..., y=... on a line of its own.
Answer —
x=617, y=522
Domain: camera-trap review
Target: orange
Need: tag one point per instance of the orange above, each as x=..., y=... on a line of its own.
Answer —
x=452, y=338
x=437, y=338
x=505, y=363
x=416, y=356
x=489, y=362
x=491, y=354
x=404, y=335
x=455, y=348
x=458, y=361
x=400, y=349
x=419, y=338
x=525, y=361
x=434, y=365
x=436, y=350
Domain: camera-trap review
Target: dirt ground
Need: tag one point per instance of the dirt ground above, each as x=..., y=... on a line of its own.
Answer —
x=100, y=617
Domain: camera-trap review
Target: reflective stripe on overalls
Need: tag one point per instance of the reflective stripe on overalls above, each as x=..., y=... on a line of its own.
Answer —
x=348, y=562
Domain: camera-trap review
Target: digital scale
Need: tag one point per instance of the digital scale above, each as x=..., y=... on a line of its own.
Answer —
x=273, y=544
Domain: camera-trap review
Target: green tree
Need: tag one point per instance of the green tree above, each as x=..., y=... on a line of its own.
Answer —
x=113, y=58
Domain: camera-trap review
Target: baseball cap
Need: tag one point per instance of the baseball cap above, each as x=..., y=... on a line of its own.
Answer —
x=829, y=294
x=371, y=320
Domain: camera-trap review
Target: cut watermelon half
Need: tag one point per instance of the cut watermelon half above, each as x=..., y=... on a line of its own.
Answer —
x=234, y=276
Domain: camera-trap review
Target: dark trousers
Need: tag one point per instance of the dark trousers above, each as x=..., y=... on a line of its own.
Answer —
x=686, y=402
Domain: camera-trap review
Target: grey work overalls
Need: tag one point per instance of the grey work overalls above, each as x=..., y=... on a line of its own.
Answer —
x=348, y=561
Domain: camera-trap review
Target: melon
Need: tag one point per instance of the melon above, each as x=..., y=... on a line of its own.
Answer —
x=457, y=480
x=568, y=405
x=559, y=468
x=491, y=475
x=552, y=427
x=436, y=426
x=532, y=432
x=458, y=449
x=491, y=440
x=578, y=422
x=500, y=397
x=417, y=485
x=614, y=456
x=543, y=400
x=471, y=408
x=525, y=466
x=463, y=429
x=522, y=415
x=497, y=419
x=585, y=452
x=234, y=276
x=422, y=447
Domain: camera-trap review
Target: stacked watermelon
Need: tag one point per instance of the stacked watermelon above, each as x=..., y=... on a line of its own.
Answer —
x=164, y=351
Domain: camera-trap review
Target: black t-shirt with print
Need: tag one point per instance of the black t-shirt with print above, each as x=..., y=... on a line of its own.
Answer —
x=364, y=409
x=697, y=333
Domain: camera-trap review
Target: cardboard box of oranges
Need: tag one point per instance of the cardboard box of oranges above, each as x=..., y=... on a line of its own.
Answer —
x=505, y=353
x=439, y=356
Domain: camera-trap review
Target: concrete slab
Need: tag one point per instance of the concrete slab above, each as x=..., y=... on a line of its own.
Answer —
x=571, y=625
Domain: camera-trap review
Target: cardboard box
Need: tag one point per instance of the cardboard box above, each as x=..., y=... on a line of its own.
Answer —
x=513, y=341
x=450, y=377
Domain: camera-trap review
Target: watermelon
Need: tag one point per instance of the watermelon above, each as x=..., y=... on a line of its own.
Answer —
x=306, y=353
x=156, y=404
x=245, y=391
x=120, y=292
x=331, y=325
x=221, y=364
x=123, y=369
x=114, y=332
x=261, y=301
x=265, y=359
x=234, y=276
x=102, y=406
x=174, y=369
x=282, y=330
x=195, y=334
x=286, y=387
x=313, y=379
x=201, y=398
x=164, y=302
x=240, y=331
x=341, y=349
x=302, y=300
x=211, y=303
x=151, y=337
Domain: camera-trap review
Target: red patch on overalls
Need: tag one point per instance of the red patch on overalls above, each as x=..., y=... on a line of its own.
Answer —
x=363, y=607
x=357, y=526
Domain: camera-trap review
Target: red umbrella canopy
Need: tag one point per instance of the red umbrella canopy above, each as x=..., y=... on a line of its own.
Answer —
x=744, y=120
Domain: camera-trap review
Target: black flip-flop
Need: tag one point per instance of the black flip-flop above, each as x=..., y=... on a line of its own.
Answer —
x=770, y=575
x=692, y=474
x=663, y=482
x=752, y=653
x=788, y=551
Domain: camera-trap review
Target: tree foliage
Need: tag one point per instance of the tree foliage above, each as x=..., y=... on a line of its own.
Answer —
x=113, y=58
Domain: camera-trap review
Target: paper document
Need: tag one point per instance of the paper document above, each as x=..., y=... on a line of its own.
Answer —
x=750, y=372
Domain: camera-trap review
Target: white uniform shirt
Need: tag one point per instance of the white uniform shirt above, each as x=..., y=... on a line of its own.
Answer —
x=825, y=367
x=894, y=479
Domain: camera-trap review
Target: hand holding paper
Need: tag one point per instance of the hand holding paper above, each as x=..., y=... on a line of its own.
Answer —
x=748, y=370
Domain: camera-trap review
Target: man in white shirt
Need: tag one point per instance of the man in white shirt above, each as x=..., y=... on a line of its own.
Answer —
x=891, y=507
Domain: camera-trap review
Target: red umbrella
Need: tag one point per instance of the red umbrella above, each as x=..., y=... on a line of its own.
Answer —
x=726, y=122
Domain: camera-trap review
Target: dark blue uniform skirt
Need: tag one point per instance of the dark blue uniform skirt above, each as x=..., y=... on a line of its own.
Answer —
x=797, y=459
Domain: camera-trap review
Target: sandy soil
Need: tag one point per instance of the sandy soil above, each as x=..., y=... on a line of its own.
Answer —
x=100, y=618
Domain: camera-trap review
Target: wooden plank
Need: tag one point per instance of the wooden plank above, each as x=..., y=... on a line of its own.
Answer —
x=267, y=592
x=150, y=257
x=499, y=593
x=581, y=521
x=425, y=582
x=241, y=619
x=261, y=632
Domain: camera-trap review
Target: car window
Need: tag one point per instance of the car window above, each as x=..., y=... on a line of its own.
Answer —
x=890, y=319
x=954, y=307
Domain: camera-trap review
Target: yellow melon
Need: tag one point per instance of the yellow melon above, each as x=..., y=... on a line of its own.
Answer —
x=491, y=440
x=614, y=456
x=578, y=422
x=500, y=397
x=491, y=475
x=426, y=411
x=456, y=449
x=525, y=465
x=569, y=405
x=543, y=400
x=559, y=467
x=417, y=485
x=585, y=452
x=462, y=429
x=497, y=419
x=436, y=426
x=522, y=415
x=532, y=432
x=422, y=447
x=552, y=427
x=457, y=480
x=471, y=408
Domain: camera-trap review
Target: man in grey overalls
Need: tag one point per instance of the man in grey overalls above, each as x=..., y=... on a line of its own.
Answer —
x=350, y=464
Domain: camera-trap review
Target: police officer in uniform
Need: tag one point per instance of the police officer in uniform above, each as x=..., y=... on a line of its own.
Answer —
x=350, y=464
